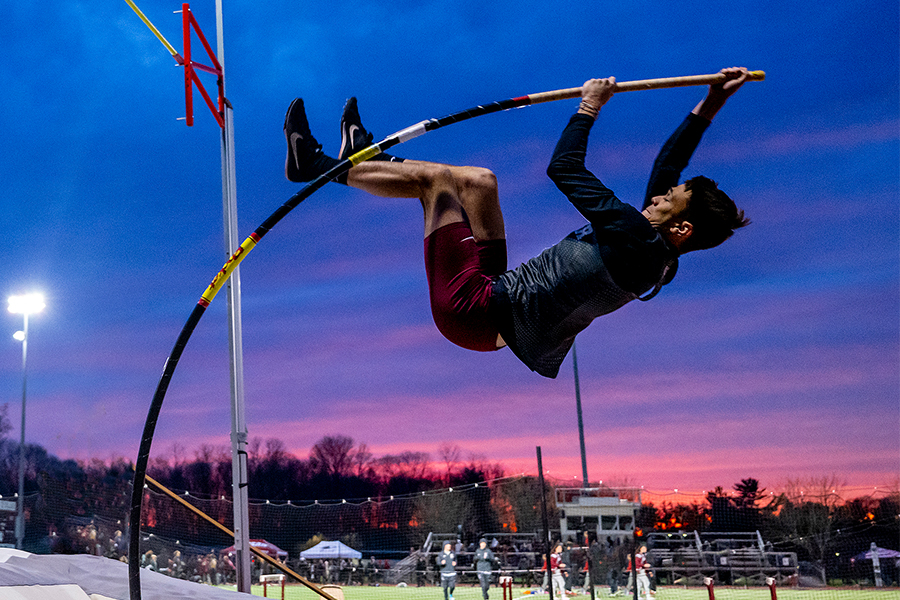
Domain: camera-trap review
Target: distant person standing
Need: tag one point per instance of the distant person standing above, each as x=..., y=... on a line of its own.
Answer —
x=446, y=561
x=568, y=558
x=618, y=559
x=641, y=573
x=420, y=569
x=557, y=571
x=525, y=566
x=212, y=566
x=484, y=564
x=590, y=564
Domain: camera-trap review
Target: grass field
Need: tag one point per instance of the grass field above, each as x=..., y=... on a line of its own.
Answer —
x=298, y=592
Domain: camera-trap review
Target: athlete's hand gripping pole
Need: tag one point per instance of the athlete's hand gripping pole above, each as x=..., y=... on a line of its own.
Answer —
x=645, y=84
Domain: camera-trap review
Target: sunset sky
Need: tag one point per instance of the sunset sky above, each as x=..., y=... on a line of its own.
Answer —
x=774, y=356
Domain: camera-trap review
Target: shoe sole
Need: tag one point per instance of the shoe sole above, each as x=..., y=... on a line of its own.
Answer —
x=292, y=169
x=291, y=159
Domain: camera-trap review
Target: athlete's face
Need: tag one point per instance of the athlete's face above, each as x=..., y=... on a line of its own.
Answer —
x=667, y=210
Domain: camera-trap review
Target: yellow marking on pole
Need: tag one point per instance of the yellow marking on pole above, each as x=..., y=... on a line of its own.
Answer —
x=226, y=271
x=156, y=32
x=365, y=154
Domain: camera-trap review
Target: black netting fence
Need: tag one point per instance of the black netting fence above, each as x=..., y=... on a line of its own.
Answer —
x=811, y=538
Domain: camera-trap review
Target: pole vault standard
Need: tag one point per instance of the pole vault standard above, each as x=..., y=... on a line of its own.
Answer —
x=224, y=116
x=239, y=435
x=404, y=135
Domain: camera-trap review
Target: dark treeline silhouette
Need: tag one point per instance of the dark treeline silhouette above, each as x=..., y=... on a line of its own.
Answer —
x=342, y=491
x=336, y=470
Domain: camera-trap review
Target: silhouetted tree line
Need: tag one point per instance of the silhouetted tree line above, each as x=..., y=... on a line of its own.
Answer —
x=342, y=491
x=337, y=470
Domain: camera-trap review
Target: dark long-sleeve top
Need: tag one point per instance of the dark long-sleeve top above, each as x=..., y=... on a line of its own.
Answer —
x=484, y=560
x=445, y=561
x=541, y=305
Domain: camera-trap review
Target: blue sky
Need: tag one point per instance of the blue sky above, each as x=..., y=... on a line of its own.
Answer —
x=773, y=356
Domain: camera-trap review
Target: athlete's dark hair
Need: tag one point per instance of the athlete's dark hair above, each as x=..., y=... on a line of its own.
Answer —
x=713, y=215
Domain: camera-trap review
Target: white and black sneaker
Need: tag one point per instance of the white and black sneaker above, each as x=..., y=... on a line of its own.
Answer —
x=305, y=159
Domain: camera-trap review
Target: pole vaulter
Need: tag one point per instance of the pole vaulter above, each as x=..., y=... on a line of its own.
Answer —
x=341, y=168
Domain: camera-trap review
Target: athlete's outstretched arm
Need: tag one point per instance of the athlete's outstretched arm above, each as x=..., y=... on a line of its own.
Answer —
x=677, y=151
x=719, y=93
x=674, y=156
x=567, y=169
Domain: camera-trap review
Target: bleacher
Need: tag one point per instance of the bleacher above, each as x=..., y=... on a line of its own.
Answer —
x=739, y=558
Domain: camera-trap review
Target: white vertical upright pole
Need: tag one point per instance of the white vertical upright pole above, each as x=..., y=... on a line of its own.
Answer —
x=239, y=480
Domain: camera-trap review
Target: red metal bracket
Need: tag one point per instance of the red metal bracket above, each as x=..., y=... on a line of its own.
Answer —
x=190, y=71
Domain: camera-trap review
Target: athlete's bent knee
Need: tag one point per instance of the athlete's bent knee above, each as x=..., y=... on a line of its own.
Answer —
x=480, y=179
x=436, y=178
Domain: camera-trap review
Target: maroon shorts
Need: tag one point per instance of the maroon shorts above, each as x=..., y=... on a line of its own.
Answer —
x=459, y=273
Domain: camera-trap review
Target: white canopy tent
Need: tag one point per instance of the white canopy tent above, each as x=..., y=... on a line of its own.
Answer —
x=330, y=550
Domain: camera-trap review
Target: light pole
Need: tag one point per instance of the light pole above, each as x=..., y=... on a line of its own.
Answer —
x=584, y=475
x=23, y=305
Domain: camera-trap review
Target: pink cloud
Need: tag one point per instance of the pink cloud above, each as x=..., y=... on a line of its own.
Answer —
x=792, y=142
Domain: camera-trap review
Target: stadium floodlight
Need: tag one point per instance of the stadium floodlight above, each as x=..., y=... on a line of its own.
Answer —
x=27, y=304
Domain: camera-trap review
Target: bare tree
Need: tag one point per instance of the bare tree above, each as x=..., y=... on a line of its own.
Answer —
x=275, y=450
x=177, y=452
x=5, y=422
x=253, y=449
x=205, y=453
x=478, y=464
x=332, y=455
x=417, y=464
x=362, y=460
x=412, y=465
x=806, y=514
x=450, y=455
